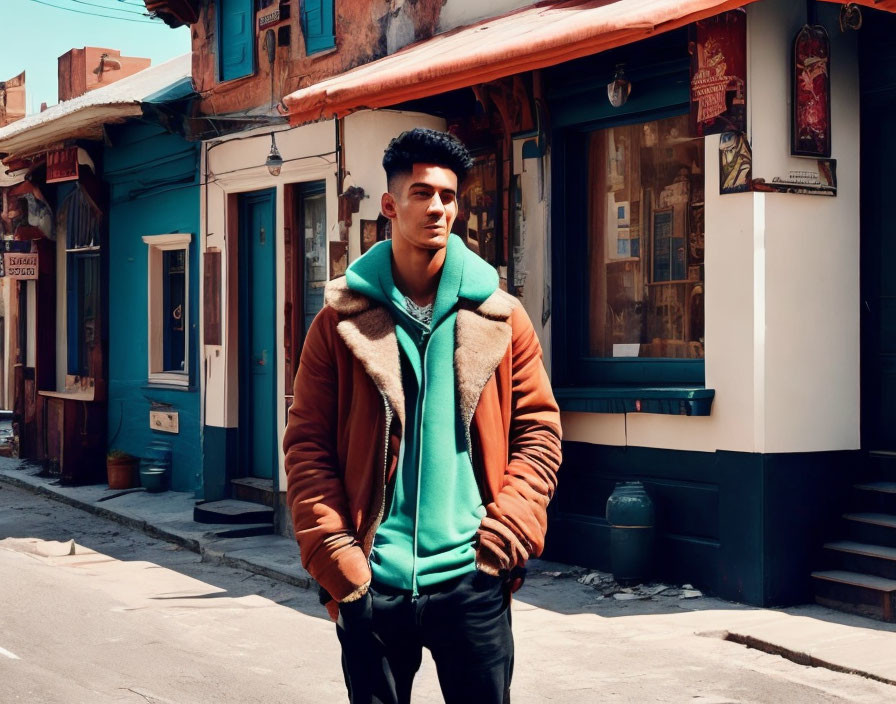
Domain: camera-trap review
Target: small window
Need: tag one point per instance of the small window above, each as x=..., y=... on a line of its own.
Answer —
x=317, y=25
x=236, y=38
x=169, y=305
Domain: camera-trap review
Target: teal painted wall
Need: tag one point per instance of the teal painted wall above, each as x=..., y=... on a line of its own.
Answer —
x=153, y=182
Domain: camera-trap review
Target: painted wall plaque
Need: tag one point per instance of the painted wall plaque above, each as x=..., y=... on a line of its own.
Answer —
x=811, y=118
x=718, y=49
x=62, y=165
x=735, y=163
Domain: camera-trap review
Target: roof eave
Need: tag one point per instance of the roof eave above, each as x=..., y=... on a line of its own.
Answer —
x=86, y=123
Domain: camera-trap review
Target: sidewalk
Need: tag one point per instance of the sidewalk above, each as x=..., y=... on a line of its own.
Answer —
x=809, y=635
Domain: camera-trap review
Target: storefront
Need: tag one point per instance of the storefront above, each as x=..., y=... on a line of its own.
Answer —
x=683, y=281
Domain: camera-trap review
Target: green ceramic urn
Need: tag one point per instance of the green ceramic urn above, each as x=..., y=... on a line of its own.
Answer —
x=631, y=518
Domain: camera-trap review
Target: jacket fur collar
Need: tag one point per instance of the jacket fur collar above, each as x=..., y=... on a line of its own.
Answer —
x=482, y=335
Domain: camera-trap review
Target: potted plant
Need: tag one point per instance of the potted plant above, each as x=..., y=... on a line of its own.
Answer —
x=121, y=469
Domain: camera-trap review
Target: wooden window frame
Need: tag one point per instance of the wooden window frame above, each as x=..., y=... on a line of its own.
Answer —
x=158, y=244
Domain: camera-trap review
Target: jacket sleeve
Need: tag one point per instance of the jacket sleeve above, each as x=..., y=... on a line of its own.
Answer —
x=515, y=524
x=314, y=489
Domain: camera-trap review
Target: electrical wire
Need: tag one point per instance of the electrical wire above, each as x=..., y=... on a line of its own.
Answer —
x=106, y=7
x=96, y=14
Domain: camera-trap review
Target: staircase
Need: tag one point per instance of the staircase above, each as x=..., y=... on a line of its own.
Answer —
x=250, y=511
x=860, y=568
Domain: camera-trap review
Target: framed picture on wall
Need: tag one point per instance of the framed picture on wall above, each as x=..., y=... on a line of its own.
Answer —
x=338, y=258
x=369, y=234
x=811, y=116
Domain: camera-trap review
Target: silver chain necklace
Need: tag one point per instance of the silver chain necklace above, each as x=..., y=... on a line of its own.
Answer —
x=422, y=314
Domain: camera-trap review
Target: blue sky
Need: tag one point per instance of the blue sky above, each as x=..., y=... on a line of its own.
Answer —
x=35, y=35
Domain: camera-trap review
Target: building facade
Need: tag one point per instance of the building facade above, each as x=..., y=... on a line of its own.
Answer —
x=699, y=295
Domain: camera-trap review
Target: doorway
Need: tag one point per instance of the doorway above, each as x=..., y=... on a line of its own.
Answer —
x=257, y=334
x=878, y=231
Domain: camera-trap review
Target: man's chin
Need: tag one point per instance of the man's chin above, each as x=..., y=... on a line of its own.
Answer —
x=436, y=240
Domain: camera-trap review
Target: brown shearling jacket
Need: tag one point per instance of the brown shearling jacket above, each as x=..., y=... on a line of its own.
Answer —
x=344, y=432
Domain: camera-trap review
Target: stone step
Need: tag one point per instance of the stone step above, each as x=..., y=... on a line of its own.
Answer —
x=863, y=558
x=855, y=592
x=874, y=528
x=882, y=465
x=255, y=490
x=232, y=511
x=875, y=496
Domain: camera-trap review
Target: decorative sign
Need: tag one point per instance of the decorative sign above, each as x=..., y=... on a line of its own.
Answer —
x=20, y=266
x=811, y=118
x=269, y=18
x=62, y=165
x=718, y=49
x=735, y=163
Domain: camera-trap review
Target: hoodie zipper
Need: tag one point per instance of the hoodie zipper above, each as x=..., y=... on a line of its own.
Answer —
x=368, y=542
x=421, y=397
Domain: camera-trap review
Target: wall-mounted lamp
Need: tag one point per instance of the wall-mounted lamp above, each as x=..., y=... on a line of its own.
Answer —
x=274, y=161
x=618, y=91
x=850, y=17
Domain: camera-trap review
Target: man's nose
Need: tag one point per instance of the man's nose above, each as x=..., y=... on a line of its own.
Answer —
x=435, y=205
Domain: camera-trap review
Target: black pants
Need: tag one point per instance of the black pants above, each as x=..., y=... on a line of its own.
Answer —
x=465, y=624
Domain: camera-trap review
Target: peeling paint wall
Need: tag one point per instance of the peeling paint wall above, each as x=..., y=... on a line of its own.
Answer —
x=365, y=30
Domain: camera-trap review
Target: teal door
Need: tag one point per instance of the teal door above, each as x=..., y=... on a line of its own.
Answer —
x=258, y=358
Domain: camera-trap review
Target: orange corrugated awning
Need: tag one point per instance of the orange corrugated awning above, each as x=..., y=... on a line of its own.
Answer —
x=534, y=37
x=541, y=35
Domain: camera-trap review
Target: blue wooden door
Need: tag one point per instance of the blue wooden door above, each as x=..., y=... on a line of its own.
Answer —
x=258, y=358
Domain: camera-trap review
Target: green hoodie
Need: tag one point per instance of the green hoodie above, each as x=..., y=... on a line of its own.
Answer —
x=427, y=533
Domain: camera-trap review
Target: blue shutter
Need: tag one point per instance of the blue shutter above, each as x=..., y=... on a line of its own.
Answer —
x=235, y=39
x=317, y=23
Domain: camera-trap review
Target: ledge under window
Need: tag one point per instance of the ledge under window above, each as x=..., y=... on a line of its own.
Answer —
x=677, y=401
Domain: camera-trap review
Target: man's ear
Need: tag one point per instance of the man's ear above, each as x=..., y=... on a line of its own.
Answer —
x=387, y=205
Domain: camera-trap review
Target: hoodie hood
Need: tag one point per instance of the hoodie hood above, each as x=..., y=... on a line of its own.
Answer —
x=475, y=279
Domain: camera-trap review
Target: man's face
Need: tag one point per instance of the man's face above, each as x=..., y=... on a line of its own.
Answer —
x=422, y=206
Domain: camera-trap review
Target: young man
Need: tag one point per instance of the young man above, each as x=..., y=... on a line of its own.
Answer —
x=422, y=446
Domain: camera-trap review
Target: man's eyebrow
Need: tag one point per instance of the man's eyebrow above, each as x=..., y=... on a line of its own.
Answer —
x=430, y=187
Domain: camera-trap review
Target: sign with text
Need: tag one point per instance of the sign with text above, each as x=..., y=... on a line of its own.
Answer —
x=718, y=48
x=62, y=165
x=12, y=246
x=20, y=266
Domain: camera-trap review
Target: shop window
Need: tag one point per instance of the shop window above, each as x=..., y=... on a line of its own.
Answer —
x=313, y=213
x=634, y=259
x=169, y=305
x=83, y=288
x=479, y=218
x=317, y=25
x=236, y=39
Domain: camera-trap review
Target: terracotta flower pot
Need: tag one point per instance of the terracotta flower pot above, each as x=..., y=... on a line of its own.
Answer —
x=122, y=472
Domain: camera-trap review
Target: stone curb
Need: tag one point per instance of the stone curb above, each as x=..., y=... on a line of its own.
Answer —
x=799, y=657
x=206, y=552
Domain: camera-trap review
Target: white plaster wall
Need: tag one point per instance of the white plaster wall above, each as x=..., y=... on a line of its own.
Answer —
x=367, y=134
x=533, y=259
x=812, y=334
x=782, y=290
x=457, y=13
x=236, y=165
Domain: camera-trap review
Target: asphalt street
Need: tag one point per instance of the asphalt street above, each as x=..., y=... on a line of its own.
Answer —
x=92, y=612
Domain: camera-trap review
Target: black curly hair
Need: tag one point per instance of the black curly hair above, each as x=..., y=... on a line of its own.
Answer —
x=425, y=146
